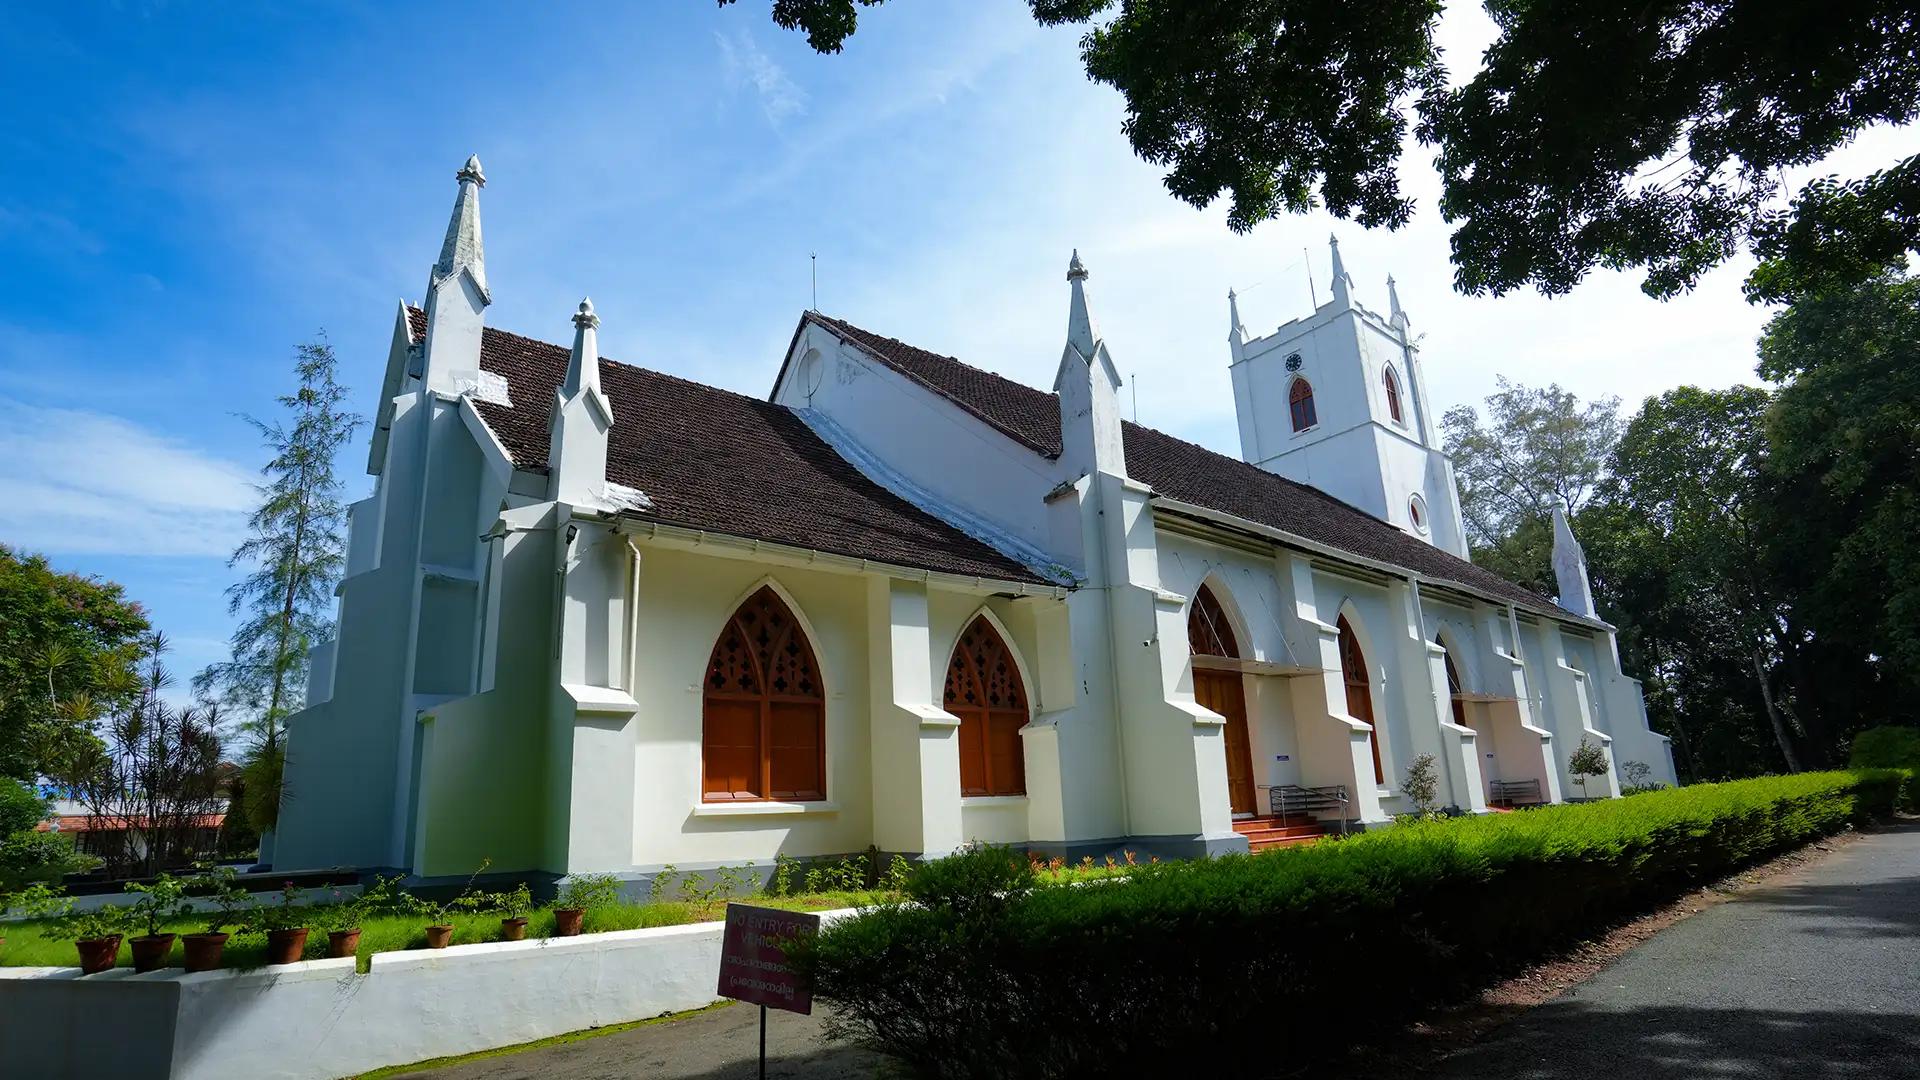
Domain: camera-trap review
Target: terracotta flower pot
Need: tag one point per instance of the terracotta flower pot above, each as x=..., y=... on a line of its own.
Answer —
x=98, y=954
x=285, y=946
x=513, y=929
x=566, y=921
x=438, y=936
x=203, y=951
x=342, y=943
x=150, y=952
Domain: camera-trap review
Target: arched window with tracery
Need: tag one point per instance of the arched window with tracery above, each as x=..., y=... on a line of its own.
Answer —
x=1208, y=631
x=1353, y=672
x=1392, y=383
x=1300, y=405
x=984, y=690
x=764, y=716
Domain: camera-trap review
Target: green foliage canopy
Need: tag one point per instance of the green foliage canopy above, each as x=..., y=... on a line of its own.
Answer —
x=1648, y=136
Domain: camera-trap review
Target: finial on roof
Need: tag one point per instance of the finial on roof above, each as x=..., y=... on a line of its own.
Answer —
x=1080, y=334
x=462, y=249
x=1570, y=567
x=1342, y=283
x=1236, y=332
x=583, y=364
x=1397, y=314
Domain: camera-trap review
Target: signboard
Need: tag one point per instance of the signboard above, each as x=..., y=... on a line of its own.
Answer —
x=753, y=968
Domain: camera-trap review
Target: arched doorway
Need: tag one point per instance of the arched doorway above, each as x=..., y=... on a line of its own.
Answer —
x=764, y=713
x=1223, y=691
x=1353, y=671
x=984, y=690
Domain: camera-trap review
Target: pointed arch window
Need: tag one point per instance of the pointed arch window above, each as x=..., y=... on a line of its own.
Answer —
x=1300, y=405
x=984, y=690
x=1453, y=686
x=764, y=712
x=1353, y=672
x=1208, y=631
x=1392, y=383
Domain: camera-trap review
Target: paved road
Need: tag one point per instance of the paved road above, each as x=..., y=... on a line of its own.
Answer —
x=1815, y=976
x=722, y=1044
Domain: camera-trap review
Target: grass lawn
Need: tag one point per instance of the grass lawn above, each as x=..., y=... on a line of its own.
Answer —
x=28, y=944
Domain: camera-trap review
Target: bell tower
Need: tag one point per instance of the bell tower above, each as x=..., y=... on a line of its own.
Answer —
x=1336, y=400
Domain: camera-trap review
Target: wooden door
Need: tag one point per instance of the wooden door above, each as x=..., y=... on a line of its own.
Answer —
x=1225, y=693
x=1353, y=671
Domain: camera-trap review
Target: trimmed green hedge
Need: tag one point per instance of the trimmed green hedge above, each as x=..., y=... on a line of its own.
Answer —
x=1887, y=748
x=1268, y=961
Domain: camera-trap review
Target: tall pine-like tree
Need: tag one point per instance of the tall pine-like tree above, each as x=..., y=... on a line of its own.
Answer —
x=294, y=553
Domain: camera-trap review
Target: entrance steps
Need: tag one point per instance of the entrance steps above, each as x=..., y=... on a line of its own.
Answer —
x=1272, y=832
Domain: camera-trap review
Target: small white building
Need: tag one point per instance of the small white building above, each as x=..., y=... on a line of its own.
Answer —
x=602, y=619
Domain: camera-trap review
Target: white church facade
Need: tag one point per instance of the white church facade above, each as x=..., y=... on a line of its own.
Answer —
x=602, y=619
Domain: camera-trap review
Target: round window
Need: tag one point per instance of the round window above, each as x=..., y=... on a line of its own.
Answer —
x=1417, y=510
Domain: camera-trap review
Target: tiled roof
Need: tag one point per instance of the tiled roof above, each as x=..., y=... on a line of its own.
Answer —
x=1188, y=472
x=716, y=460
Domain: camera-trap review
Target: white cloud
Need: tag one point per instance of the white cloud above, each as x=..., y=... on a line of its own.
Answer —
x=748, y=66
x=80, y=482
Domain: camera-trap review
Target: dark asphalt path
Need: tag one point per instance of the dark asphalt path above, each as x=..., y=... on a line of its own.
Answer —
x=1814, y=976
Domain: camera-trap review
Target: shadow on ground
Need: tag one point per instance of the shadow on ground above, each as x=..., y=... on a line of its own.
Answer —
x=1573, y=1039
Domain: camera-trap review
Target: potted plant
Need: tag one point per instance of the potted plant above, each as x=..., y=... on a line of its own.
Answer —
x=96, y=933
x=228, y=899
x=513, y=906
x=341, y=920
x=163, y=899
x=583, y=891
x=285, y=925
x=440, y=930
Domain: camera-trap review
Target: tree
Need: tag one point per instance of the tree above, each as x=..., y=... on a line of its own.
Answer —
x=1591, y=135
x=155, y=770
x=1692, y=469
x=26, y=855
x=1538, y=449
x=68, y=642
x=296, y=549
x=1586, y=760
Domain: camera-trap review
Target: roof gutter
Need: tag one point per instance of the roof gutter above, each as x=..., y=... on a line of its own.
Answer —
x=685, y=539
x=1314, y=547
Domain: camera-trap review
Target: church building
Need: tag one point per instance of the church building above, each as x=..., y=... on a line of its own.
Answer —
x=597, y=618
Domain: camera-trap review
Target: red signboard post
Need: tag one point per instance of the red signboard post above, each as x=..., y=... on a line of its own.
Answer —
x=753, y=966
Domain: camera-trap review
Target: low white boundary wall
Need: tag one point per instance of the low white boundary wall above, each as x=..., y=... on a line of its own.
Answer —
x=320, y=1019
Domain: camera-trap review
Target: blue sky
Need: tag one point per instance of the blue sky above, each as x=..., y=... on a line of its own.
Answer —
x=187, y=191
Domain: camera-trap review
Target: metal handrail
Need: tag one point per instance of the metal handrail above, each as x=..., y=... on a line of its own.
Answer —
x=1512, y=791
x=1287, y=799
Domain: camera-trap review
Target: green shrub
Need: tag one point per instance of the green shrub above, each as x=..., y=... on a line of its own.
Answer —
x=1284, y=957
x=1887, y=748
x=975, y=879
x=590, y=891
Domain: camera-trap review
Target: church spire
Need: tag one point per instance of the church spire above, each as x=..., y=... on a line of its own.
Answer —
x=457, y=293
x=1570, y=567
x=583, y=364
x=1089, y=389
x=1080, y=333
x=581, y=420
x=1342, y=281
x=461, y=250
x=1398, y=315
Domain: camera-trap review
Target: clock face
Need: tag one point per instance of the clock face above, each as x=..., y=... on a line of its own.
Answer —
x=1293, y=361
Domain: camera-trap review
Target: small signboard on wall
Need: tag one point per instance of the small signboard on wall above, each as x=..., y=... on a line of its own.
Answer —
x=753, y=966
